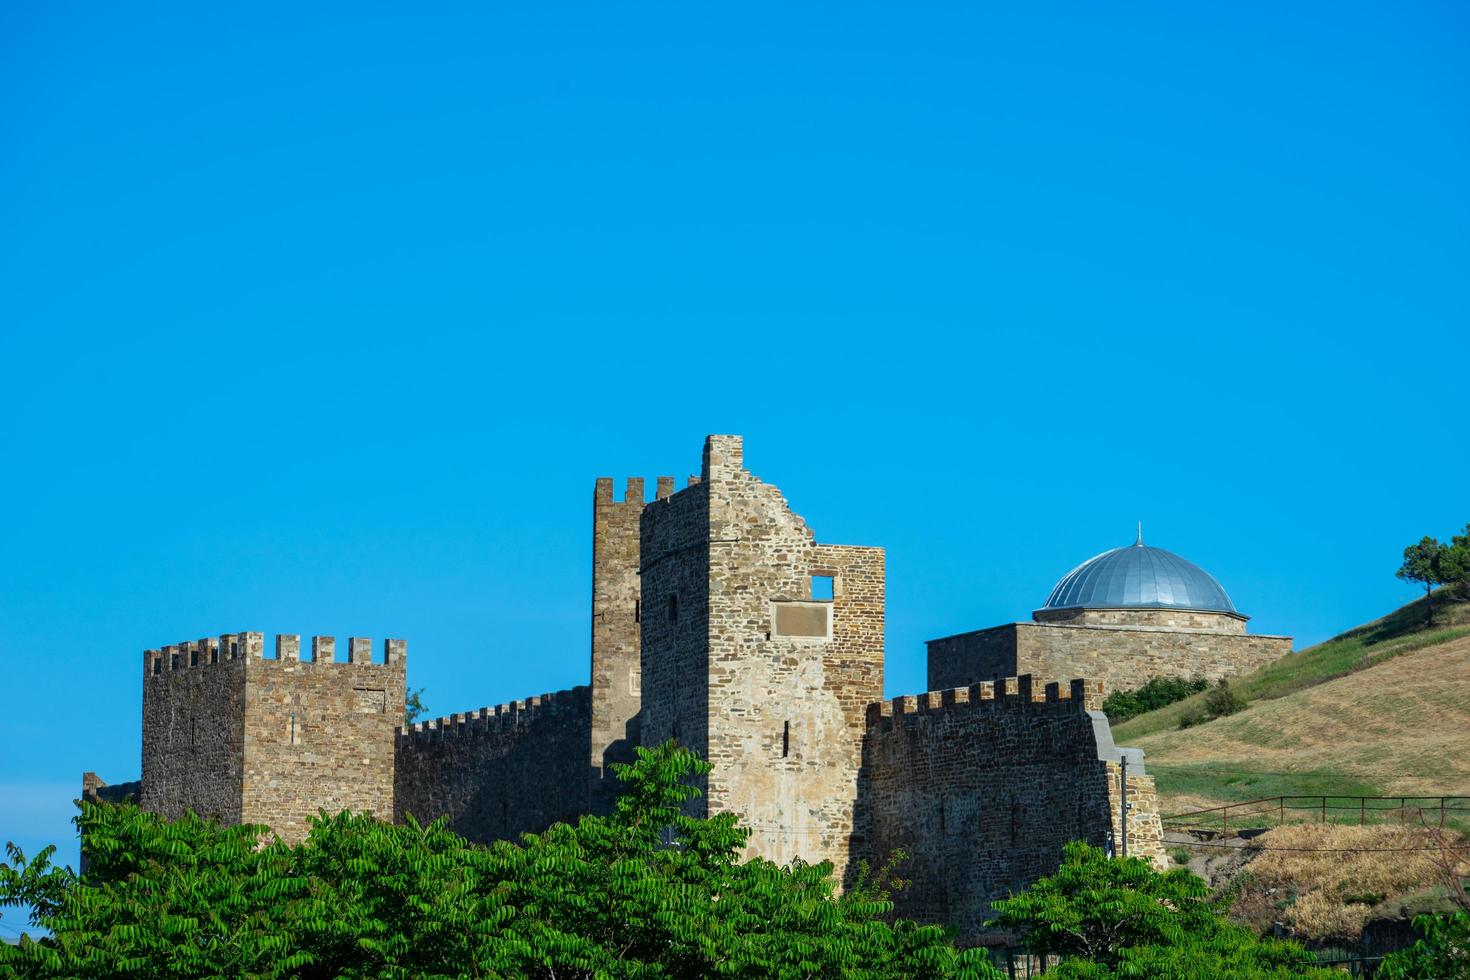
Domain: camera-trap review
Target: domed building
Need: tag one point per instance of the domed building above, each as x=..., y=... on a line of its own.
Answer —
x=1120, y=617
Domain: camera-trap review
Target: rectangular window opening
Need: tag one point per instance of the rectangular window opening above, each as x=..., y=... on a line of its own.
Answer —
x=158, y=665
x=214, y=655
x=824, y=588
x=637, y=610
x=785, y=739
x=635, y=681
x=193, y=658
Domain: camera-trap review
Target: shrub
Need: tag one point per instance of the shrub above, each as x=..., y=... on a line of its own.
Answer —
x=1443, y=950
x=1158, y=692
x=1222, y=700
x=1192, y=717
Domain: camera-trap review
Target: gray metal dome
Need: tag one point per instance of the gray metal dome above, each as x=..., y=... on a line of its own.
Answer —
x=1139, y=577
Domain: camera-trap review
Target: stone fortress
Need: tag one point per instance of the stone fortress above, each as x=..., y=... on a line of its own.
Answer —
x=718, y=620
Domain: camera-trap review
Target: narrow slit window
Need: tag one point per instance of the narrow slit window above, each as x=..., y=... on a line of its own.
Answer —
x=785, y=739
x=637, y=610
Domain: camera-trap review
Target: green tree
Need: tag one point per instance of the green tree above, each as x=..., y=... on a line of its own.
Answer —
x=1453, y=563
x=1442, y=951
x=413, y=706
x=1118, y=917
x=1421, y=566
x=646, y=892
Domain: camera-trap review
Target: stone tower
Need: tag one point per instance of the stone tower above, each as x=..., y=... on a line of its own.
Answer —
x=743, y=665
x=616, y=610
x=229, y=733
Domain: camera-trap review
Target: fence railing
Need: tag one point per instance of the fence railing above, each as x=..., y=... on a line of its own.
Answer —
x=1017, y=964
x=1273, y=811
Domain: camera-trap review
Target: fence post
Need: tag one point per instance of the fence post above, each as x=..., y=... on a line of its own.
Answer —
x=1225, y=824
x=1281, y=817
x=1324, y=809
x=1441, y=813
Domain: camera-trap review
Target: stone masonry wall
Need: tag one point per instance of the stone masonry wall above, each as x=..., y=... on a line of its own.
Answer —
x=615, y=615
x=781, y=711
x=1164, y=619
x=1121, y=659
x=675, y=547
x=194, y=729
x=319, y=734
x=982, y=786
x=499, y=772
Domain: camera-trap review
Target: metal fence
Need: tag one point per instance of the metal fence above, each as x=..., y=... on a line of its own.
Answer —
x=1273, y=811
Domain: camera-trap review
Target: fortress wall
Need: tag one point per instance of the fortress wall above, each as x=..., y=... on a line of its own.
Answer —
x=499, y=772
x=1120, y=658
x=674, y=637
x=982, y=786
x=194, y=729
x=616, y=611
x=319, y=734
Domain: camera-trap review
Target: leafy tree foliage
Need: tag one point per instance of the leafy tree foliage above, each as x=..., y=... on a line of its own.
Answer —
x=647, y=892
x=1454, y=563
x=1157, y=692
x=1118, y=917
x=1422, y=566
x=1441, y=952
x=413, y=706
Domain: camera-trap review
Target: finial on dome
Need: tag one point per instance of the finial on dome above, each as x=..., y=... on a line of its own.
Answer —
x=1139, y=542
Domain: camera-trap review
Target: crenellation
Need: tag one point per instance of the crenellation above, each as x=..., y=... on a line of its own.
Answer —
x=359, y=650
x=323, y=649
x=288, y=646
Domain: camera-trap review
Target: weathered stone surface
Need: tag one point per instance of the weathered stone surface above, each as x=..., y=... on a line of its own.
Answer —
x=982, y=786
x=1121, y=657
x=229, y=734
x=499, y=772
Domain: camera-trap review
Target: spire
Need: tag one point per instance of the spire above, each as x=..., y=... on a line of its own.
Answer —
x=1139, y=542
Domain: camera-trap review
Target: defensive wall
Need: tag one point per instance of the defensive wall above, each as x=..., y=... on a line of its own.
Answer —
x=1121, y=658
x=230, y=733
x=501, y=771
x=983, y=785
x=743, y=665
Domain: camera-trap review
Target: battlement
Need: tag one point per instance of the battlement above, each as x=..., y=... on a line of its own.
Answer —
x=1078, y=695
x=497, y=718
x=633, y=490
x=210, y=651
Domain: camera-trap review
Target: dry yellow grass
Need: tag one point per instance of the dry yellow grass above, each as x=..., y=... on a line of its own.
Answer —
x=1330, y=894
x=1402, y=727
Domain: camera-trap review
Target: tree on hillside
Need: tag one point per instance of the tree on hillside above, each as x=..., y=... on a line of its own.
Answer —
x=1454, y=563
x=1422, y=566
x=646, y=892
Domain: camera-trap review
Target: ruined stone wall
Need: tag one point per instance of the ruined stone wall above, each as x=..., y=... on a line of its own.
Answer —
x=194, y=729
x=776, y=714
x=499, y=772
x=319, y=734
x=1164, y=619
x=675, y=547
x=1120, y=658
x=983, y=786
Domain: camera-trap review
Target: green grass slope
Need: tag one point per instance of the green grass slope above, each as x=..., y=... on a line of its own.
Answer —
x=1383, y=709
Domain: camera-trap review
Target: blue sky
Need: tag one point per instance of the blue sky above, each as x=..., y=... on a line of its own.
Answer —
x=324, y=319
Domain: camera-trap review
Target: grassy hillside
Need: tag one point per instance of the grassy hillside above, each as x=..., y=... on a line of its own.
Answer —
x=1383, y=709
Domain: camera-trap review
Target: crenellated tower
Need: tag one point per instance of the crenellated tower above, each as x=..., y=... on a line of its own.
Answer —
x=616, y=611
x=232, y=733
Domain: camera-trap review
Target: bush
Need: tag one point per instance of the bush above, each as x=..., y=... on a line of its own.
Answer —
x=1158, y=692
x=1222, y=700
x=1443, y=950
x=1192, y=717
